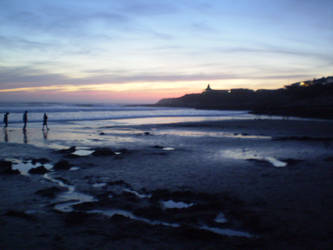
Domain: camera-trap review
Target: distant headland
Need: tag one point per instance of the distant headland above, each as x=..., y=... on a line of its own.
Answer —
x=311, y=98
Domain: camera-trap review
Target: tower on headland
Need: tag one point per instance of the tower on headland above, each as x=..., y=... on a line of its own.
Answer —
x=208, y=89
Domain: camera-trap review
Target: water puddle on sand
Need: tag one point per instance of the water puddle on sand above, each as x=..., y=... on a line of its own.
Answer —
x=74, y=169
x=58, y=182
x=113, y=212
x=168, y=149
x=275, y=162
x=65, y=200
x=247, y=155
x=196, y=133
x=170, y=204
x=83, y=151
x=220, y=218
x=99, y=185
x=140, y=196
x=25, y=166
x=220, y=231
x=227, y=232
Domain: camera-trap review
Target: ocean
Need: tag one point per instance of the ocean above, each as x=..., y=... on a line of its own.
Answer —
x=62, y=114
x=93, y=125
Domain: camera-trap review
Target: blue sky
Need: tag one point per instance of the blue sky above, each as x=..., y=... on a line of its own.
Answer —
x=142, y=50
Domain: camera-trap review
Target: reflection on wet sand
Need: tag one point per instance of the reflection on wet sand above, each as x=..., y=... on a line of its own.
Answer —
x=45, y=132
x=25, y=136
x=253, y=156
x=6, y=135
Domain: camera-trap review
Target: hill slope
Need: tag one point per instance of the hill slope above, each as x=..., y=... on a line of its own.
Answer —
x=306, y=99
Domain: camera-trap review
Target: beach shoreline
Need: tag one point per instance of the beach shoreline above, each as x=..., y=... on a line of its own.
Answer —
x=132, y=170
x=314, y=112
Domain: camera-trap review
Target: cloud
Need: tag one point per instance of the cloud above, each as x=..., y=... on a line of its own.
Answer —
x=25, y=77
x=275, y=50
x=203, y=27
x=15, y=77
x=59, y=19
x=79, y=27
x=149, y=8
x=7, y=42
x=75, y=18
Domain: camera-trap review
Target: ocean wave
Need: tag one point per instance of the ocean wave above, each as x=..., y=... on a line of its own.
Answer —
x=67, y=120
x=66, y=113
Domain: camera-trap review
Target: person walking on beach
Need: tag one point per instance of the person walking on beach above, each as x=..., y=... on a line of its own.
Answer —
x=45, y=121
x=25, y=119
x=5, y=119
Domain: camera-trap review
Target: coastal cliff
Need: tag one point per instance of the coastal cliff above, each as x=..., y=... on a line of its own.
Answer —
x=312, y=98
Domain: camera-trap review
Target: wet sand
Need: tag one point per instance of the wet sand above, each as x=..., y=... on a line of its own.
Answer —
x=235, y=184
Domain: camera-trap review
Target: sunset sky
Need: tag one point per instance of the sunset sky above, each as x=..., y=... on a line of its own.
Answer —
x=138, y=51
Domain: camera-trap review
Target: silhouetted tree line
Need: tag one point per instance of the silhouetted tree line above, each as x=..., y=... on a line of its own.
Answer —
x=307, y=99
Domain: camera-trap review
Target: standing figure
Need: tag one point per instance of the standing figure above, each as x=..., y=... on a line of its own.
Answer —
x=25, y=119
x=5, y=119
x=45, y=121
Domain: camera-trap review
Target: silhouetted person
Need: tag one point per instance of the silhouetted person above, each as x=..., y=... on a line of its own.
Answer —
x=45, y=121
x=5, y=119
x=25, y=119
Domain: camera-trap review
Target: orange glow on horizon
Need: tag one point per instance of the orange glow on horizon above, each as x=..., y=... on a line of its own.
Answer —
x=149, y=93
x=143, y=92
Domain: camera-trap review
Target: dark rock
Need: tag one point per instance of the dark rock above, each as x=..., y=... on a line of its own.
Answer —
x=6, y=168
x=188, y=232
x=19, y=214
x=40, y=160
x=63, y=180
x=147, y=133
x=258, y=161
x=62, y=165
x=103, y=152
x=158, y=147
x=50, y=192
x=124, y=151
x=5, y=164
x=302, y=138
x=58, y=238
x=250, y=219
x=151, y=212
x=67, y=151
x=86, y=206
x=329, y=158
x=119, y=219
x=118, y=183
x=72, y=156
x=76, y=218
x=38, y=170
x=101, y=133
x=159, y=153
x=11, y=172
x=290, y=161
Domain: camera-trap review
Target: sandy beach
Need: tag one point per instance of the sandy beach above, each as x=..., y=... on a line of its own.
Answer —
x=228, y=184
